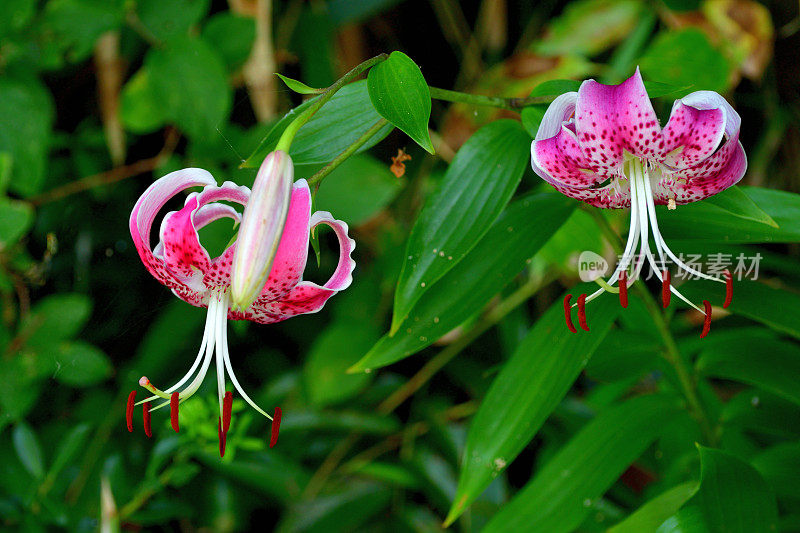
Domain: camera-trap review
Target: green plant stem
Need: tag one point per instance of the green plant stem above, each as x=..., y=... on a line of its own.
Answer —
x=288, y=134
x=672, y=355
x=511, y=104
x=347, y=152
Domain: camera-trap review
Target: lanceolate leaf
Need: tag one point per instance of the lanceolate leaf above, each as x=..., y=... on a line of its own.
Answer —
x=708, y=222
x=652, y=514
x=735, y=201
x=474, y=190
x=560, y=495
x=298, y=86
x=532, y=383
x=776, y=368
x=400, y=94
x=340, y=122
x=732, y=497
x=498, y=257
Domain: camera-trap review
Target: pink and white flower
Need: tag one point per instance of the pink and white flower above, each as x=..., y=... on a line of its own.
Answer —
x=603, y=145
x=181, y=263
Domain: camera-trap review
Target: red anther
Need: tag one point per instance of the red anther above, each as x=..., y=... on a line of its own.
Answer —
x=146, y=415
x=129, y=410
x=728, y=289
x=226, y=411
x=174, y=400
x=707, y=321
x=276, y=426
x=582, y=312
x=665, y=292
x=623, y=289
x=221, y=438
x=568, y=312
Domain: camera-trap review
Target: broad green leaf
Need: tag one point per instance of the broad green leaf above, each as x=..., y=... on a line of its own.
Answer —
x=190, y=82
x=358, y=189
x=346, y=11
x=17, y=14
x=400, y=94
x=75, y=25
x=476, y=187
x=26, y=118
x=139, y=108
x=707, y=222
x=665, y=61
x=776, y=308
x=16, y=218
x=298, y=86
x=779, y=466
x=334, y=350
x=555, y=87
x=561, y=494
x=732, y=496
x=532, y=117
x=166, y=20
x=347, y=509
x=80, y=364
x=776, y=368
x=232, y=36
x=587, y=27
x=340, y=122
x=55, y=318
x=26, y=444
x=656, y=89
x=653, y=513
x=530, y=385
x=68, y=448
x=269, y=473
x=734, y=201
x=499, y=256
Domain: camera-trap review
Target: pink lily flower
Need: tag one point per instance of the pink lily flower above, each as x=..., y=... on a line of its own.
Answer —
x=603, y=145
x=181, y=263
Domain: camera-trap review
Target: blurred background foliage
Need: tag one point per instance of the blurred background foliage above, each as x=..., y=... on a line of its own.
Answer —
x=100, y=97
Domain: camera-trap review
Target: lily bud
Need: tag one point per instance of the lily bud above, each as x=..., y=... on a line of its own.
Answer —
x=262, y=227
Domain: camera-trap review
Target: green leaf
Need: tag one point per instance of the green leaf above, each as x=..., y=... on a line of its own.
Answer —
x=588, y=27
x=16, y=218
x=362, y=422
x=734, y=201
x=190, y=83
x=779, y=466
x=358, y=189
x=139, y=108
x=334, y=350
x=347, y=509
x=656, y=89
x=55, y=318
x=532, y=117
x=400, y=94
x=530, y=385
x=232, y=36
x=665, y=61
x=774, y=307
x=26, y=118
x=555, y=87
x=28, y=450
x=476, y=187
x=75, y=25
x=68, y=448
x=653, y=513
x=561, y=495
x=298, y=86
x=80, y=364
x=166, y=20
x=340, y=122
x=776, y=368
x=499, y=256
x=732, y=497
x=708, y=222
x=268, y=473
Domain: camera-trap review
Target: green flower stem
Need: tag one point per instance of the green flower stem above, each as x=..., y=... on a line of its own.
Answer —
x=347, y=152
x=511, y=104
x=672, y=355
x=288, y=134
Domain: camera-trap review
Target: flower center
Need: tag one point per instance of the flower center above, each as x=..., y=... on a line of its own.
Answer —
x=213, y=346
x=643, y=224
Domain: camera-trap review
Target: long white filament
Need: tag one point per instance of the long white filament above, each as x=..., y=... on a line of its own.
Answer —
x=229, y=367
x=222, y=328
